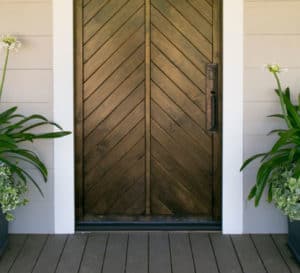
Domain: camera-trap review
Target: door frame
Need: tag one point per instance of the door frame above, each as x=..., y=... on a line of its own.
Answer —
x=232, y=116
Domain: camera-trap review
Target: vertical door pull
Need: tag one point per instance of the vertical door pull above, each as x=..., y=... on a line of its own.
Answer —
x=212, y=97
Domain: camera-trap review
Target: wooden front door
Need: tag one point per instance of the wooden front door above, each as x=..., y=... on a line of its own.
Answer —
x=144, y=103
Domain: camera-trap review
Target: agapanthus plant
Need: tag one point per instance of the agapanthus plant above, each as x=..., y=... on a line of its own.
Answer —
x=8, y=43
x=284, y=155
x=16, y=129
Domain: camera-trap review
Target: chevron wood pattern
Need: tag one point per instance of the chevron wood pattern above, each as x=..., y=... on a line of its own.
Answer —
x=181, y=166
x=113, y=103
x=144, y=72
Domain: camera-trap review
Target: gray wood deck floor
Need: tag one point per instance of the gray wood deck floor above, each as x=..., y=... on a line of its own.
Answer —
x=148, y=252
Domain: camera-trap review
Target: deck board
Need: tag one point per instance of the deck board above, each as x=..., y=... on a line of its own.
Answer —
x=181, y=253
x=116, y=252
x=50, y=255
x=226, y=257
x=29, y=254
x=72, y=255
x=159, y=253
x=280, y=241
x=16, y=243
x=248, y=256
x=137, y=255
x=269, y=254
x=93, y=257
x=148, y=252
x=204, y=258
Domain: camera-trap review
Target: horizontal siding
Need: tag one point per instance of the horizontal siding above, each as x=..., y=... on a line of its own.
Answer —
x=27, y=88
x=29, y=85
x=266, y=17
x=36, y=53
x=35, y=217
x=276, y=48
x=26, y=18
x=272, y=35
x=256, y=118
x=260, y=85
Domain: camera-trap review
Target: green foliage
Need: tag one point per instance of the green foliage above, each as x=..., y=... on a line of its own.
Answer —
x=15, y=129
x=11, y=192
x=286, y=190
x=285, y=151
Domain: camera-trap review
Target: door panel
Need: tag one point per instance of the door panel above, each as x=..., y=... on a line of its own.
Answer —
x=178, y=31
x=113, y=107
x=142, y=147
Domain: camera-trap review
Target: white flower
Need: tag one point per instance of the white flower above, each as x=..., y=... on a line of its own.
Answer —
x=10, y=42
x=275, y=68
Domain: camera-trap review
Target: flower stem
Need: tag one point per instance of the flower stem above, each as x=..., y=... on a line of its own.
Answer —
x=283, y=106
x=4, y=71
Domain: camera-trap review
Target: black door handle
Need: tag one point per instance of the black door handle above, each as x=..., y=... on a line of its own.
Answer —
x=212, y=97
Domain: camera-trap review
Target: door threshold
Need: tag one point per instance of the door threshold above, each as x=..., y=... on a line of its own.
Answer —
x=148, y=223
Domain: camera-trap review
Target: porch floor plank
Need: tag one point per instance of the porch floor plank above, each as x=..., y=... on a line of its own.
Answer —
x=181, y=253
x=204, y=257
x=270, y=255
x=226, y=257
x=248, y=256
x=159, y=253
x=29, y=254
x=16, y=243
x=281, y=243
x=148, y=252
x=93, y=256
x=50, y=255
x=70, y=259
x=137, y=255
x=116, y=252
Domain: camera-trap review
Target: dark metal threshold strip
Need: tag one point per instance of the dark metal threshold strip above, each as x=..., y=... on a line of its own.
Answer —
x=143, y=225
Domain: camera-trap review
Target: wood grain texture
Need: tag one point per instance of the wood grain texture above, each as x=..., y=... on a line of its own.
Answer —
x=143, y=146
x=113, y=92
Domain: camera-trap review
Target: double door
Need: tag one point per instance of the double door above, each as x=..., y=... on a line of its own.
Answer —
x=147, y=108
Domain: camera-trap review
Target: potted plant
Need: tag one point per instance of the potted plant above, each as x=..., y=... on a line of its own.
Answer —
x=15, y=130
x=279, y=170
x=11, y=197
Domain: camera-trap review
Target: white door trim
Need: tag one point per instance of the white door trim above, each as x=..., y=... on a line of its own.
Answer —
x=63, y=100
x=63, y=67
x=233, y=68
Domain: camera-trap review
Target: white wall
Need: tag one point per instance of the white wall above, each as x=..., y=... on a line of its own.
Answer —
x=29, y=85
x=272, y=35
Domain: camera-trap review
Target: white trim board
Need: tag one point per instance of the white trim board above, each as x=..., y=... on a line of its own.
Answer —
x=233, y=67
x=63, y=100
x=64, y=206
